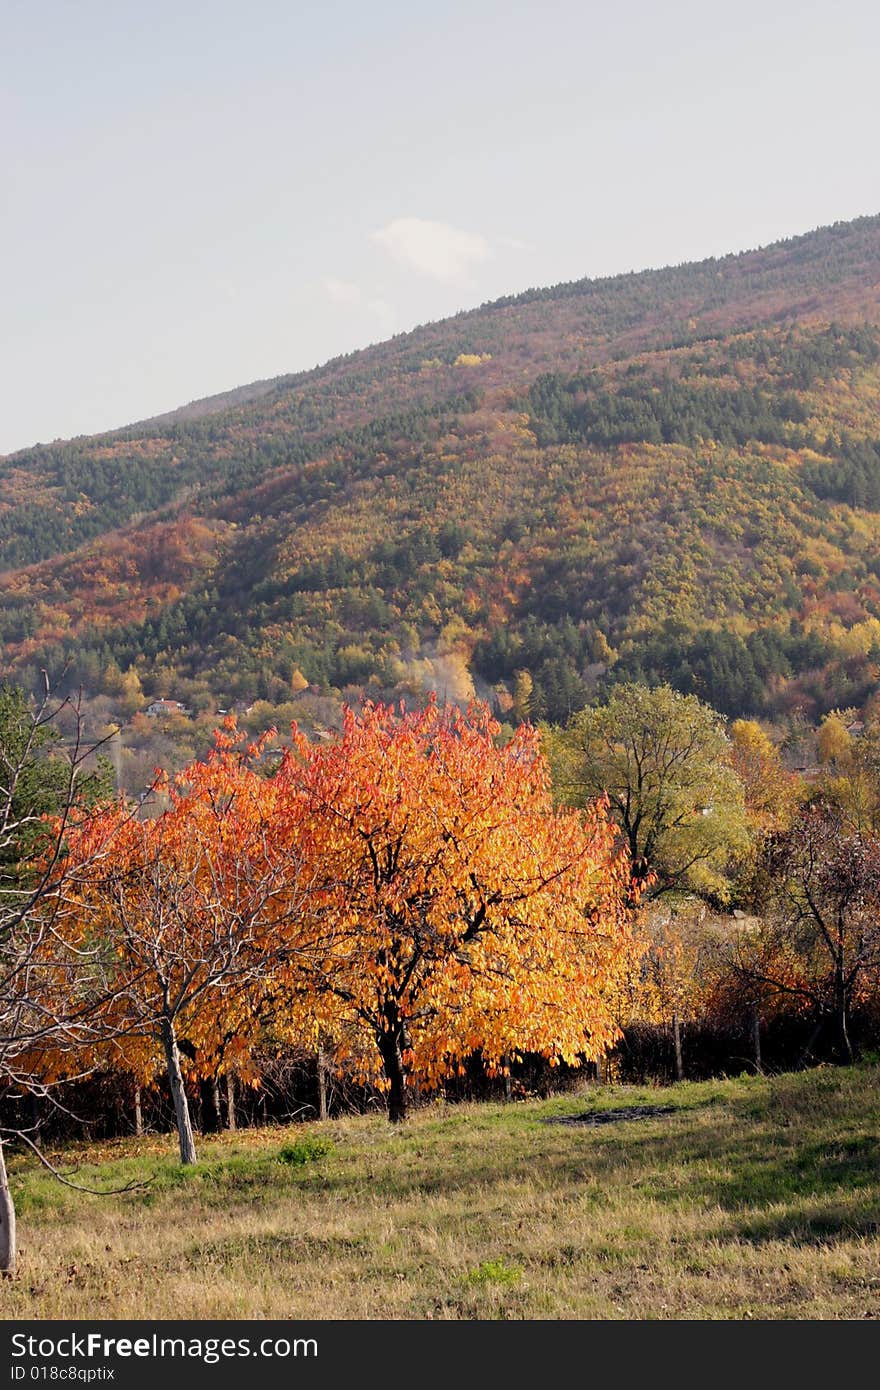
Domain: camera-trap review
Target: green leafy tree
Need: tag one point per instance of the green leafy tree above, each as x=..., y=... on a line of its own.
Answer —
x=33, y=782
x=35, y=777
x=663, y=760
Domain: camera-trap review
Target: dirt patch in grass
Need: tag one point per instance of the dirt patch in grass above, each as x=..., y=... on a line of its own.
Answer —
x=610, y=1117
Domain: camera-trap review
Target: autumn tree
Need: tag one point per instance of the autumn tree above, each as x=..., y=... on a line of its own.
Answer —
x=834, y=744
x=452, y=909
x=667, y=985
x=851, y=779
x=819, y=943
x=770, y=790
x=663, y=761
x=523, y=690
x=771, y=795
x=131, y=694
x=190, y=908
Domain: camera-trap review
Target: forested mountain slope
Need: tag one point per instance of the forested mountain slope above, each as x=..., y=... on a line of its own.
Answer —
x=668, y=474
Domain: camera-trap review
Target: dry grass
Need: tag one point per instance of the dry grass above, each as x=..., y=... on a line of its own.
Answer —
x=754, y=1199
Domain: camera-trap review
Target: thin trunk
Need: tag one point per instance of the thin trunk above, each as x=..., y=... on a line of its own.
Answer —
x=230, y=1100
x=178, y=1094
x=322, y=1084
x=7, y=1223
x=138, y=1112
x=392, y=1061
x=508, y=1080
x=841, y=1001
x=756, y=1039
x=209, y=1090
x=676, y=1037
x=844, y=1033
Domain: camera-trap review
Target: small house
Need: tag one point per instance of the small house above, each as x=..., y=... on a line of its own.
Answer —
x=165, y=707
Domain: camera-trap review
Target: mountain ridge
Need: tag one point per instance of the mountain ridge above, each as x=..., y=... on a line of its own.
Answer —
x=217, y=402
x=573, y=467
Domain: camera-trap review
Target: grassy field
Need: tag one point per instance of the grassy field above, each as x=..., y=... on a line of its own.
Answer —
x=754, y=1198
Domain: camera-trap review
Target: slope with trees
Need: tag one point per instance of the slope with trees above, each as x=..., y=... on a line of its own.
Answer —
x=669, y=476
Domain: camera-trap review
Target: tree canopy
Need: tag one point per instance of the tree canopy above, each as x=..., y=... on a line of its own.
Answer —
x=454, y=910
x=663, y=761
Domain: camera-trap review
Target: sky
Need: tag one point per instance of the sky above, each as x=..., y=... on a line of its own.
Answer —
x=198, y=195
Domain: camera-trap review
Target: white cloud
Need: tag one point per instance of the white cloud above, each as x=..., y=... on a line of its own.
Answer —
x=434, y=248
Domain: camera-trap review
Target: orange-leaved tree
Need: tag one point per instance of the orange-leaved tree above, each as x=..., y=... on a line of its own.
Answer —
x=452, y=908
x=192, y=910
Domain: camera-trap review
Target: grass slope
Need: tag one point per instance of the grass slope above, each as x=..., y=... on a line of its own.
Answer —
x=755, y=1198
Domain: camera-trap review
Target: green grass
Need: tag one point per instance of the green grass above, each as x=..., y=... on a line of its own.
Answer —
x=306, y=1150
x=755, y=1198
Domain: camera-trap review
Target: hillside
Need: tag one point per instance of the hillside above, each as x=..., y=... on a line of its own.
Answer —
x=667, y=474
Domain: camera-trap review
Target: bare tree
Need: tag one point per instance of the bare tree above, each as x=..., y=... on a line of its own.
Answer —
x=819, y=940
x=49, y=981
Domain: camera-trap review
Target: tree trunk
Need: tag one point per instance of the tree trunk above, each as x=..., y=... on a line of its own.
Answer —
x=508, y=1080
x=392, y=1061
x=178, y=1094
x=756, y=1039
x=841, y=1002
x=844, y=1035
x=322, y=1084
x=212, y=1121
x=138, y=1112
x=7, y=1223
x=676, y=1037
x=230, y=1100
